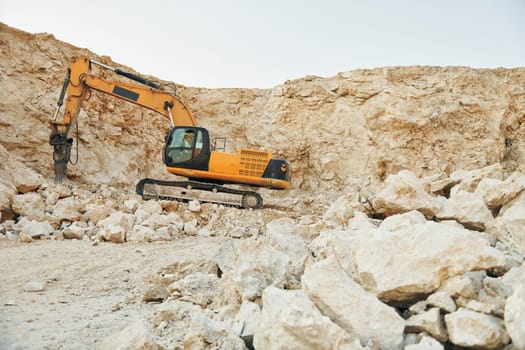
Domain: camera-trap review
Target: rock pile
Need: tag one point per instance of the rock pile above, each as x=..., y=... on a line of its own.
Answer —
x=411, y=279
x=423, y=263
x=405, y=281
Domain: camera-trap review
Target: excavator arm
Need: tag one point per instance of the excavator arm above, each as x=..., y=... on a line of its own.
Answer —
x=77, y=84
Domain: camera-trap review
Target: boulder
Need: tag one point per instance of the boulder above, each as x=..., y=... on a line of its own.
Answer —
x=198, y=288
x=467, y=209
x=173, y=310
x=96, y=213
x=205, y=333
x=37, y=229
x=343, y=209
x=404, y=192
x=430, y=322
x=159, y=283
x=491, y=297
x=34, y=286
x=442, y=186
x=472, y=329
x=131, y=205
x=256, y=266
x=246, y=321
x=480, y=306
x=352, y=308
x=172, y=223
x=115, y=234
x=237, y=232
x=74, y=231
x=190, y=227
x=282, y=234
x=443, y=301
x=146, y=209
x=194, y=206
x=31, y=205
x=497, y=193
x=466, y=286
x=361, y=223
x=340, y=242
x=413, y=262
x=515, y=315
x=469, y=179
x=402, y=221
x=509, y=224
x=67, y=209
x=54, y=192
x=226, y=256
x=140, y=234
x=7, y=193
x=14, y=174
x=24, y=178
x=115, y=227
x=289, y=320
x=426, y=343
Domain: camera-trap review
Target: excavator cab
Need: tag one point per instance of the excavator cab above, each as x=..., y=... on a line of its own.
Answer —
x=187, y=147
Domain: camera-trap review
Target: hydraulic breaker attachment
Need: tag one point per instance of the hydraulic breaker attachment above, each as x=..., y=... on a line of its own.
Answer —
x=61, y=153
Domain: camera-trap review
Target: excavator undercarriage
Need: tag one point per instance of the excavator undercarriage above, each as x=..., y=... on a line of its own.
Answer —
x=203, y=192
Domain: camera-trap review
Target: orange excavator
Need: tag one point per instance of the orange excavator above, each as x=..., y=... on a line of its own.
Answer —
x=187, y=152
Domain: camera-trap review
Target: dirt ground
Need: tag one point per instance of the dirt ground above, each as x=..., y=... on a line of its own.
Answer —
x=90, y=291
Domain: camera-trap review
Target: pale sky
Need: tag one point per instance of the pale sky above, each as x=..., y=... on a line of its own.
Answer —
x=260, y=44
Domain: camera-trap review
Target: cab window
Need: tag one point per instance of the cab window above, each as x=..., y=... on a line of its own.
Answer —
x=181, y=145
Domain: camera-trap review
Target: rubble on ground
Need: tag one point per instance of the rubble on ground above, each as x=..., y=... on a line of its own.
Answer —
x=371, y=283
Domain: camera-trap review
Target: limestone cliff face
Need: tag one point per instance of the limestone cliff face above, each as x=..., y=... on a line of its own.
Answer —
x=339, y=133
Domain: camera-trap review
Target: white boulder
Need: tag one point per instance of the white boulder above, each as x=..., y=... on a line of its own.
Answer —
x=411, y=262
x=473, y=329
x=289, y=320
x=443, y=301
x=467, y=209
x=515, y=315
x=246, y=321
x=348, y=305
x=496, y=193
x=426, y=343
x=205, y=333
x=36, y=229
x=31, y=205
x=198, y=288
x=510, y=224
x=67, y=209
x=404, y=192
x=469, y=179
x=430, y=322
x=256, y=266
x=7, y=192
x=402, y=221
x=283, y=235
x=115, y=227
x=74, y=231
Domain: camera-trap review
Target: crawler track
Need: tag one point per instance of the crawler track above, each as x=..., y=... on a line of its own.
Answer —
x=193, y=190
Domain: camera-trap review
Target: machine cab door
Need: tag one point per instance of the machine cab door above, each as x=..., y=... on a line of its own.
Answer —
x=187, y=147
